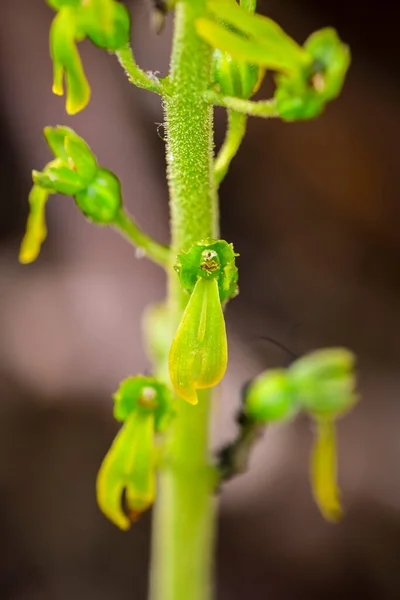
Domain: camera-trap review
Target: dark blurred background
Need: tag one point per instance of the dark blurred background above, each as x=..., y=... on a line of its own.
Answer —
x=313, y=209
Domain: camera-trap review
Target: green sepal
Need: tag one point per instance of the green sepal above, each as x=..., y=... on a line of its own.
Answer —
x=101, y=201
x=55, y=138
x=129, y=465
x=144, y=394
x=271, y=397
x=209, y=259
x=36, y=230
x=58, y=4
x=325, y=381
x=66, y=61
x=235, y=78
x=199, y=352
x=304, y=94
x=57, y=176
x=253, y=38
x=81, y=158
x=107, y=23
x=71, y=148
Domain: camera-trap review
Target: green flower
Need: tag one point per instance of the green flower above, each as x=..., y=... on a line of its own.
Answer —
x=303, y=94
x=199, y=353
x=105, y=22
x=73, y=172
x=322, y=383
x=144, y=406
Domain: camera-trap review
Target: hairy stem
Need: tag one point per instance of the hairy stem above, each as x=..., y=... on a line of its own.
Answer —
x=184, y=513
x=128, y=228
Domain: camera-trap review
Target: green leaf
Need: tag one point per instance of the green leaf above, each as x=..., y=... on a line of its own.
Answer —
x=101, y=201
x=199, y=352
x=271, y=397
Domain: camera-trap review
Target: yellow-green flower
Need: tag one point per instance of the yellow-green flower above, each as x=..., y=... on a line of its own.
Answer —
x=126, y=482
x=199, y=352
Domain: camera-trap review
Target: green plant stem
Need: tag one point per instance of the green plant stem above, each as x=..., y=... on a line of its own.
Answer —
x=235, y=133
x=134, y=73
x=158, y=253
x=262, y=108
x=184, y=513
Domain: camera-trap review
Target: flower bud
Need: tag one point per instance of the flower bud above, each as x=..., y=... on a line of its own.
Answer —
x=271, y=397
x=235, y=78
x=199, y=352
x=303, y=94
x=325, y=381
x=72, y=149
x=36, y=231
x=107, y=23
x=101, y=201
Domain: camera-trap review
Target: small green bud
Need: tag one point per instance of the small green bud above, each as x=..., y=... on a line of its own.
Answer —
x=129, y=465
x=101, y=201
x=209, y=259
x=57, y=176
x=271, y=397
x=304, y=93
x=144, y=394
x=235, y=78
x=73, y=150
x=199, y=352
x=107, y=23
x=325, y=381
x=66, y=61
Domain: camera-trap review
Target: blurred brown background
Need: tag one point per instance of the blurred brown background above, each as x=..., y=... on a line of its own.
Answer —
x=313, y=209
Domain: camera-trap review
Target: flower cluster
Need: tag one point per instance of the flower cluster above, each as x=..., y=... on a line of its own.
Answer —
x=75, y=172
x=322, y=384
x=307, y=77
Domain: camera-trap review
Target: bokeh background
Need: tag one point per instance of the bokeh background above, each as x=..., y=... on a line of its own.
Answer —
x=313, y=208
